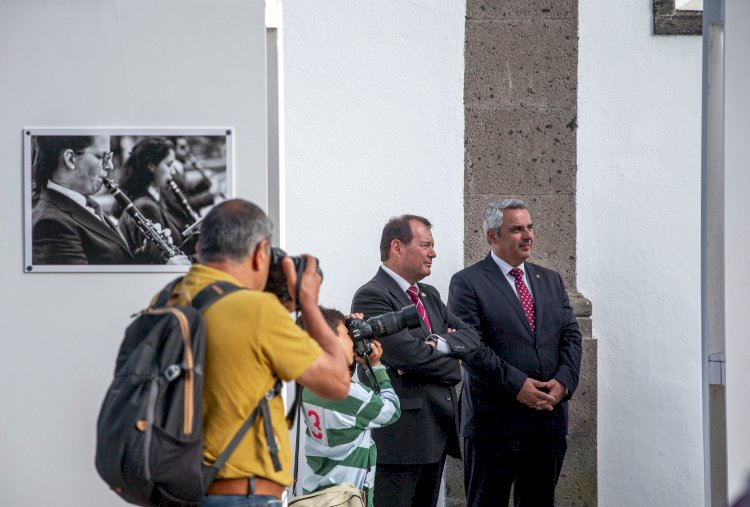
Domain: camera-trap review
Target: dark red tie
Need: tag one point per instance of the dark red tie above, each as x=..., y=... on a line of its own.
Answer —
x=527, y=302
x=412, y=291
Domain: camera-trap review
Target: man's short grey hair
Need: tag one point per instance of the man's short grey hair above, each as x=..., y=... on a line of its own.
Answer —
x=493, y=213
x=233, y=230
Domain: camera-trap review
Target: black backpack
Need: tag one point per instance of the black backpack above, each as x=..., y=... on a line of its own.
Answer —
x=149, y=446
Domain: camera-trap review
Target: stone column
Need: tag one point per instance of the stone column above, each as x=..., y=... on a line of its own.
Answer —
x=520, y=90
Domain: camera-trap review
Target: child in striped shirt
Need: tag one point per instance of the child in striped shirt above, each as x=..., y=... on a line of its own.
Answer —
x=339, y=446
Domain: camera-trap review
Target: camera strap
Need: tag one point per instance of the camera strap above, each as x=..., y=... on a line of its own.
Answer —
x=375, y=385
x=297, y=287
x=297, y=407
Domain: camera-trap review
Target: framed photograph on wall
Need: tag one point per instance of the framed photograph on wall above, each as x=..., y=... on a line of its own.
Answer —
x=118, y=200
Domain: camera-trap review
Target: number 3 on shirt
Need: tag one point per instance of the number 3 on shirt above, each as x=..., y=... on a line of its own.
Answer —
x=314, y=418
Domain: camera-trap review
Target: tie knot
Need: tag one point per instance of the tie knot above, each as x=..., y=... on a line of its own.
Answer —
x=517, y=273
x=412, y=292
x=91, y=203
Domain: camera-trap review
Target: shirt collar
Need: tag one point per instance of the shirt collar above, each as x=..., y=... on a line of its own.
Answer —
x=153, y=191
x=76, y=197
x=398, y=278
x=504, y=266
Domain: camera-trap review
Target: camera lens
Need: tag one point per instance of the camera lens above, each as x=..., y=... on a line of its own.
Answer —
x=393, y=322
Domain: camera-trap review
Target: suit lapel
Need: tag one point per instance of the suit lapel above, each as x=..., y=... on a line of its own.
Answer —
x=496, y=277
x=403, y=299
x=392, y=287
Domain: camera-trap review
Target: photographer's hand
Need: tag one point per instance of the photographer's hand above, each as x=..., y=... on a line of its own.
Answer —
x=374, y=357
x=311, y=280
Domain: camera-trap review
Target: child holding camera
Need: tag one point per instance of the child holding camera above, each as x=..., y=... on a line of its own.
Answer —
x=339, y=446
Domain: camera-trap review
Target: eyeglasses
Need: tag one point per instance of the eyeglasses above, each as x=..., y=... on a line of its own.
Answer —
x=107, y=158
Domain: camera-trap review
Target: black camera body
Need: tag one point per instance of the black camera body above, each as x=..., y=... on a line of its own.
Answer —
x=363, y=332
x=277, y=283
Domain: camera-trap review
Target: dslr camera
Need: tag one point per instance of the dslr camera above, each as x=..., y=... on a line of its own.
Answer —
x=277, y=282
x=364, y=331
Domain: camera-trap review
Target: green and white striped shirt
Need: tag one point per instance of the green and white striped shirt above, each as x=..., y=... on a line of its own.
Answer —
x=339, y=446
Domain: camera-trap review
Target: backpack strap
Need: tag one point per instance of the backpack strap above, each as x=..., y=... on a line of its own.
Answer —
x=273, y=448
x=212, y=293
x=210, y=471
x=166, y=292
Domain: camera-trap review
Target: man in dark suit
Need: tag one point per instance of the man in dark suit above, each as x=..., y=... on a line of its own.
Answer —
x=68, y=226
x=66, y=233
x=514, y=402
x=422, y=364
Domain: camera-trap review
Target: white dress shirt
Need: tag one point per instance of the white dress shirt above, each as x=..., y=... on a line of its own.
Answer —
x=506, y=268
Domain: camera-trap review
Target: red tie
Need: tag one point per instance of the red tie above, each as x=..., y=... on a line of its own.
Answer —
x=526, y=300
x=412, y=291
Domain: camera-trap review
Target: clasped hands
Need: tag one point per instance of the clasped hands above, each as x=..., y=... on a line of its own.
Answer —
x=541, y=395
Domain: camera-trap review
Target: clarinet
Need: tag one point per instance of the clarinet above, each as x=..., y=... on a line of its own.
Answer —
x=184, y=204
x=146, y=226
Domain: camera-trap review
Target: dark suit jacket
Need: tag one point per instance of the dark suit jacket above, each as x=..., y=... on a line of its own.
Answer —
x=65, y=233
x=480, y=295
x=429, y=419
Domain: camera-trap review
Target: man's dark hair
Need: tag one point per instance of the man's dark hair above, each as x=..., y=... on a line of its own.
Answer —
x=232, y=230
x=398, y=228
x=175, y=140
x=47, y=151
x=331, y=316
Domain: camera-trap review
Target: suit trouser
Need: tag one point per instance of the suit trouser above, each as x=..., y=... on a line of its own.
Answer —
x=408, y=485
x=530, y=465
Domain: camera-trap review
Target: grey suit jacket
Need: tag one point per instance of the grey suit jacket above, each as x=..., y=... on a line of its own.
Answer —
x=480, y=295
x=429, y=416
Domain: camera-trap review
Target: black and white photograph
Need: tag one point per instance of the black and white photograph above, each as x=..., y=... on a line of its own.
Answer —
x=110, y=200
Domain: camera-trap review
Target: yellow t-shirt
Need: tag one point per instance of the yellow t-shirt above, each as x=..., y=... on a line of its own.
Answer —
x=250, y=343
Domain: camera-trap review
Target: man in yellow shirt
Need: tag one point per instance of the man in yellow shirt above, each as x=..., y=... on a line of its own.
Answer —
x=252, y=343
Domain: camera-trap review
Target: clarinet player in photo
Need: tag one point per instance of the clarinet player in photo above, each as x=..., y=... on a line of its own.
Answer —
x=147, y=174
x=68, y=225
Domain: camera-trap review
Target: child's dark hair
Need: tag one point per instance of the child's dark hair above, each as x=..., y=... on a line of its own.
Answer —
x=331, y=316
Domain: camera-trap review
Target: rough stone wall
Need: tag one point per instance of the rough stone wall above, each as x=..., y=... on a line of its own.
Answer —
x=520, y=90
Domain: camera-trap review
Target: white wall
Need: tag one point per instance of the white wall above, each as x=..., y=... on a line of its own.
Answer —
x=374, y=129
x=639, y=167
x=736, y=244
x=93, y=63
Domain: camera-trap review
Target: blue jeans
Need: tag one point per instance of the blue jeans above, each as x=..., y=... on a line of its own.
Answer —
x=240, y=501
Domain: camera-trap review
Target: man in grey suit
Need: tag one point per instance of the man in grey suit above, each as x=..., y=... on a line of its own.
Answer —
x=514, y=405
x=423, y=366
